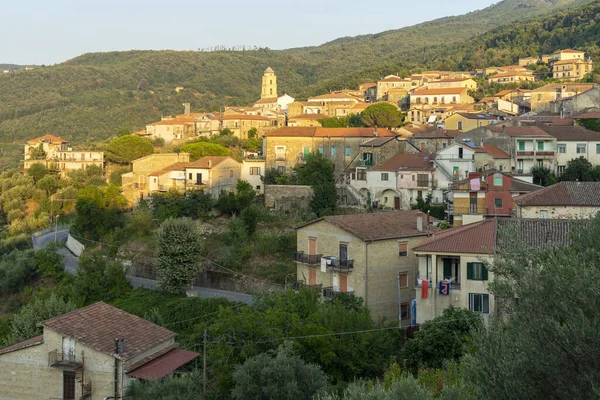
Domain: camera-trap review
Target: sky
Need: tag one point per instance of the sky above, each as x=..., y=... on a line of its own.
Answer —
x=49, y=32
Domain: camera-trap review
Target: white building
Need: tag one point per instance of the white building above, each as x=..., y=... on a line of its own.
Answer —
x=454, y=163
x=574, y=142
x=253, y=168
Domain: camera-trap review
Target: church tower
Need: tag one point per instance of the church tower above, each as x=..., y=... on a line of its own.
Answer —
x=269, y=84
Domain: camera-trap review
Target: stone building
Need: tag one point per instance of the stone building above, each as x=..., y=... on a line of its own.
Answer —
x=367, y=255
x=565, y=200
x=542, y=97
x=91, y=353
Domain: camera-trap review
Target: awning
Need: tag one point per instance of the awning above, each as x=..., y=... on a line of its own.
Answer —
x=432, y=119
x=163, y=365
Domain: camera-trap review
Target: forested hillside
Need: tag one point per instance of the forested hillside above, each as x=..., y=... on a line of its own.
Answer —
x=92, y=96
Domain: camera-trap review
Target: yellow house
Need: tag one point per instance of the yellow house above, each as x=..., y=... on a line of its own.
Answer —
x=458, y=95
x=367, y=255
x=240, y=124
x=523, y=62
x=465, y=122
x=453, y=83
x=91, y=353
x=393, y=87
x=543, y=96
x=572, y=70
x=512, y=77
x=566, y=54
x=306, y=120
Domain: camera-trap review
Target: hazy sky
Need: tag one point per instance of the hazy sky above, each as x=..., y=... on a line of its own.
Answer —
x=52, y=31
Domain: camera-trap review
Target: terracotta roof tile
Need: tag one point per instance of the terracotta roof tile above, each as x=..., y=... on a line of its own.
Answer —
x=97, y=326
x=520, y=131
x=267, y=100
x=205, y=161
x=34, y=341
x=380, y=226
x=179, y=166
x=329, y=132
x=570, y=87
x=477, y=238
x=407, y=162
x=244, y=117
x=495, y=152
x=51, y=138
x=571, y=133
x=582, y=194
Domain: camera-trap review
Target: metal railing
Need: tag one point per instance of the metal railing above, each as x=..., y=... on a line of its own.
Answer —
x=58, y=359
x=313, y=259
x=86, y=390
x=337, y=264
x=330, y=292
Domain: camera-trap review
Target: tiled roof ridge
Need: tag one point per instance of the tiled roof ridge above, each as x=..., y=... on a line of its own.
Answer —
x=34, y=341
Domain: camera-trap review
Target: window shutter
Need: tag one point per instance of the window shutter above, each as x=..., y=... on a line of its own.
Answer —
x=447, y=268
x=403, y=248
x=486, y=303
x=469, y=270
x=484, y=273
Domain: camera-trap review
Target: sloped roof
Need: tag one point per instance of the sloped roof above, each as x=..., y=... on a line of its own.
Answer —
x=571, y=61
x=205, y=161
x=180, y=120
x=267, y=100
x=269, y=70
x=332, y=96
x=582, y=194
x=426, y=92
x=290, y=131
x=571, y=133
x=50, y=138
x=572, y=87
x=376, y=142
x=244, y=117
x=379, y=226
x=34, y=341
x=407, y=162
x=178, y=166
x=477, y=238
x=495, y=152
x=97, y=326
x=519, y=131
x=570, y=51
x=482, y=116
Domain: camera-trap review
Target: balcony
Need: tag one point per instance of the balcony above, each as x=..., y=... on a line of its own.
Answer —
x=335, y=264
x=311, y=259
x=330, y=292
x=525, y=153
x=63, y=360
x=545, y=153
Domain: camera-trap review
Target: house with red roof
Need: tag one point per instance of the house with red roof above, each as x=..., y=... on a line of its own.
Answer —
x=90, y=353
x=565, y=200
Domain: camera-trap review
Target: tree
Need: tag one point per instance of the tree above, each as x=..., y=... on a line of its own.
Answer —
x=178, y=255
x=98, y=211
x=27, y=322
x=546, y=344
x=580, y=169
x=125, y=149
x=318, y=172
x=99, y=279
x=278, y=375
x=446, y=337
x=203, y=149
x=17, y=269
x=140, y=222
x=543, y=176
x=234, y=203
x=37, y=171
x=252, y=133
x=48, y=184
x=383, y=115
x=115, y=176
x=49, y=262
x=186, y=387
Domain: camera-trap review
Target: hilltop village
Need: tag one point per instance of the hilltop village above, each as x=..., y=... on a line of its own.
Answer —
x=396, y=199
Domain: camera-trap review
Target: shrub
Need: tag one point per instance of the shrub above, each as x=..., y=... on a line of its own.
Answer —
x=203, y=149
x=26, y=323
x=17, y=268
x=128, y=148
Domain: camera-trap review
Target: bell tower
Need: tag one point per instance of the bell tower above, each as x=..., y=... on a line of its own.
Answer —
x=269, y=84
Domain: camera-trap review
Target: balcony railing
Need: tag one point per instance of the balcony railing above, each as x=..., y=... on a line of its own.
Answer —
x=337, y=264
x=64, y=360
x=545, y=153
x=330, y=292
x=525, y=153
x=312, y=259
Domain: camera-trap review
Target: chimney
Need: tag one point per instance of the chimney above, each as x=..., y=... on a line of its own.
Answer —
x=117, y=346
x=420, y=221
x=122, y=346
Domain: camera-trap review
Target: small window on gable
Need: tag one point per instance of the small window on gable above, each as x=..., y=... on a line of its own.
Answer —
x=402, y=249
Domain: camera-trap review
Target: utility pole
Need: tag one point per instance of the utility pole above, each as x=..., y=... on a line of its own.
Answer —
x=204, y=362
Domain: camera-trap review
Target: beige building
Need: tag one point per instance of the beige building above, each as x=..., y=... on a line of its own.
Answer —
x=368, y=255
x=565, y=200
x=306, y=120
x=567, y=54
x=91, y=353
x=453, y=83
x=523, y=62
x=441, y=96
x=173, y=128
x=57, y=154
x=252, y=170
x=465, y=122
x=213, y=174
x=135, y=184
x=240, y=124
x=542, y=97
x=512, y=77
x=393, y=87
x=571, y=70
x=573, y=142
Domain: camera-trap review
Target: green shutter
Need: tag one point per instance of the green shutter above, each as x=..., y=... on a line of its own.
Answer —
x=469, y=270
x=484, y=272
x=447, y=268
x=306, y=152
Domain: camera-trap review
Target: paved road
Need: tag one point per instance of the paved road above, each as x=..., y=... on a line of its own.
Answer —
x=70, y=263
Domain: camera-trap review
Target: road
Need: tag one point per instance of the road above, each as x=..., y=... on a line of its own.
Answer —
x=70, y=264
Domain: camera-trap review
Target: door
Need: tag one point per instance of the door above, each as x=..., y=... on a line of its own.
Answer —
x=312, y=246
x=68, y=348
x=473, y=203
x=396, y=203
x=68, y=385
x=343, y=252
x=312, y=276
x=344, y=283
x=198, y=179
x=174, y=183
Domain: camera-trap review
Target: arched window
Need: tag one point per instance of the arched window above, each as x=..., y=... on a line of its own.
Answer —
x=309, y=111
x=271, y=82
x=317, y=111
x=271, y=91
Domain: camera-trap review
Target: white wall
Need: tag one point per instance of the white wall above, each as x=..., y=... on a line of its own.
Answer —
x=254, y=180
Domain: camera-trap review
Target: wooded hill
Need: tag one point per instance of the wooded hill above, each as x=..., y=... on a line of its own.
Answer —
x=90, y=97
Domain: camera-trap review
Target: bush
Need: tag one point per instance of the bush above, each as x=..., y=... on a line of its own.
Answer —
x=49, y=262
x=26, y=324
x=203, y=149
x=115, y=176
x=17, y=269
x=99, y=279
x=128, y=148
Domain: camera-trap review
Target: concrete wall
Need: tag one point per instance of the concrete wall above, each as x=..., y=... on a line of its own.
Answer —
x=250, y=175
x=286, y=197
x=558, y=212
x=74, y=246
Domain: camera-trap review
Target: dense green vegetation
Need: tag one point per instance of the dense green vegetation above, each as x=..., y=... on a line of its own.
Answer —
x=96, y=96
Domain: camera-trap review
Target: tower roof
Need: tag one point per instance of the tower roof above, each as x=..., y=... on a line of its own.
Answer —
x=269, y=70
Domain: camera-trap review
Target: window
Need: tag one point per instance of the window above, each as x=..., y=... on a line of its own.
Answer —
x=361, y=174
x=368, y=159
x=257, y=187
x=422, y=180
x=497, y=179
x=543, y=214
x=540, y=146
x=560, y=169
x=520, y=165
x=333, y=151
x=255, y=171
x=498, y=202
x=580, y=148
x=320, y=149
x=281, y=169
x=460, y=126
x=473, y=203
x=561, y=148
x=385, y=176
x=280, y=152
x=597, y=148
x=452, y=269
x=460, y=151
x=420, y=194
x=402, y=249
x=231, y=173
x=306, y=152
x=343, y=252
x=479, y=302
x=476, y=271
x=521, y=145
x=348, y=152
x=540, y=163
x=190, y=176
x=404, y=310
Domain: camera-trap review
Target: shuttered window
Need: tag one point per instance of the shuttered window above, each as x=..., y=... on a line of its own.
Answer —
x=477, y=271
x=403, y=249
